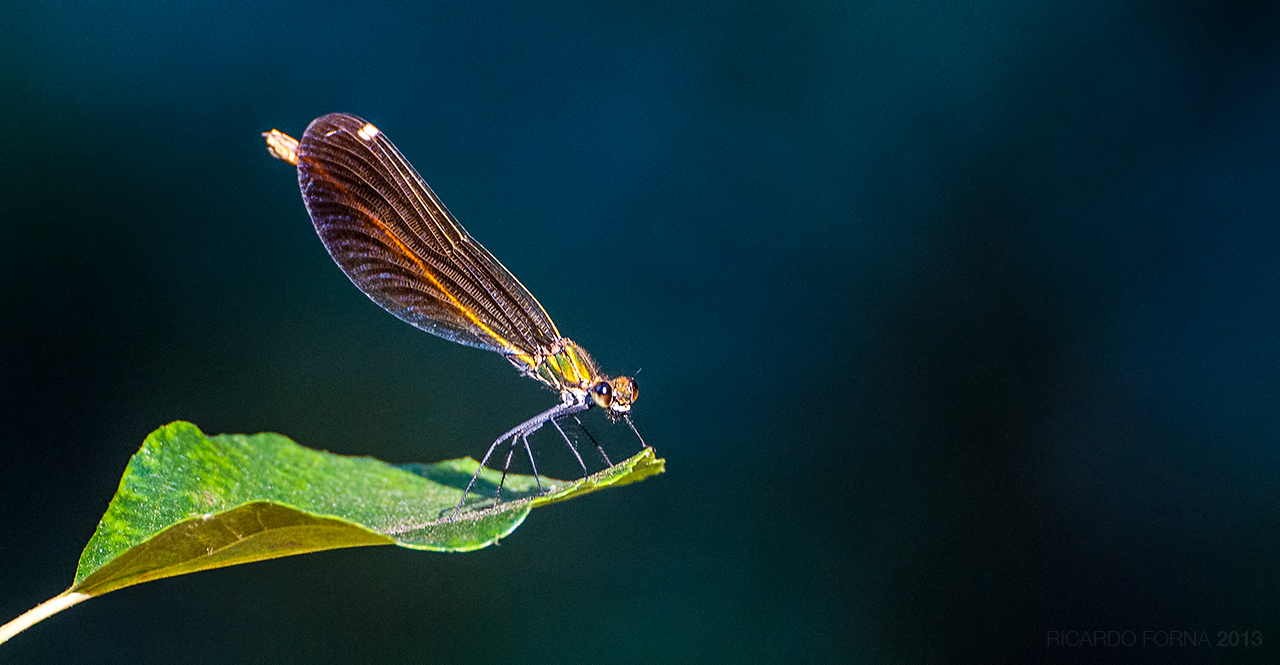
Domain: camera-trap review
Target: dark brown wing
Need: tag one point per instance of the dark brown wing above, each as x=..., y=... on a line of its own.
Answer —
x=395, y=240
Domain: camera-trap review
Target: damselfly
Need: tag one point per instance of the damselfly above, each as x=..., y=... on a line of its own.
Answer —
x=397, y=242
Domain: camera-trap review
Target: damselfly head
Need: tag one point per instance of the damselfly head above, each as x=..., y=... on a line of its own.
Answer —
x=615, y=395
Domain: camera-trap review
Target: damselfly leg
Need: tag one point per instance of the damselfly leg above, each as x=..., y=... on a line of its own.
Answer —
x=520, y=435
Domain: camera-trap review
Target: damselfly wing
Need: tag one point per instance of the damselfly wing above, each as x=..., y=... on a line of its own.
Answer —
x=397, y=242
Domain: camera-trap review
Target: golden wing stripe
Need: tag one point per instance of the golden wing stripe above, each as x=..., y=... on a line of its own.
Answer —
x=466, y=311
x=422, y=267
x=461, y=243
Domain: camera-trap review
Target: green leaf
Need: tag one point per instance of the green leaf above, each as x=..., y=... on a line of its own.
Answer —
x=189, y=502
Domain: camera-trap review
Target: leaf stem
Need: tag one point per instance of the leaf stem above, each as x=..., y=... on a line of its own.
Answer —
x=41, y=612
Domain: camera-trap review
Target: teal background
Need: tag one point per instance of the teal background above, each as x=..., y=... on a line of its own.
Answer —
x=956, y=322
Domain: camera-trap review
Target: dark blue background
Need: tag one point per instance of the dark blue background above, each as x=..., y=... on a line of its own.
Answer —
x=957, y=321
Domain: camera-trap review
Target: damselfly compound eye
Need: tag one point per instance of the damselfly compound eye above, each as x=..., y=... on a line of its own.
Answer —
x=602, y=394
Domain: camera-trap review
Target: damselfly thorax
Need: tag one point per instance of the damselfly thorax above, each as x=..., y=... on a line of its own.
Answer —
x=397, y=242
x=567, y=368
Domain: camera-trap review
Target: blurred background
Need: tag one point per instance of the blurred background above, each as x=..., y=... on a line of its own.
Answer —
x=956, y=322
